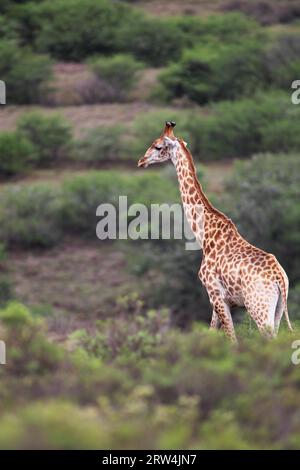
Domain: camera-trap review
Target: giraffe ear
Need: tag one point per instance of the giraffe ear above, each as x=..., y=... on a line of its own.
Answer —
x=170, y=142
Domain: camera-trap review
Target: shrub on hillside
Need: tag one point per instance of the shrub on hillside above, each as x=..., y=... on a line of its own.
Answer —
x=83, y=194
x=25, y=74
x=117, y=74
x=218, y=28
x=16, y=153
x=112, y=27
x=266, y=122
x=101, y=144
x=241, y=128
x=282, y=60
x=50, y=136
x=155, y=41
x=209, y=73
x=29, y=216
x=45, y=26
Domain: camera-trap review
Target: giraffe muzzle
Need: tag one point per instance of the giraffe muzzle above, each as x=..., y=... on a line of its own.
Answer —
x=142, y=163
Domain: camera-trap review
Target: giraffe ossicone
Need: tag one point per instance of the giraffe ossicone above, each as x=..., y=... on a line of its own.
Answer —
x=234, y=272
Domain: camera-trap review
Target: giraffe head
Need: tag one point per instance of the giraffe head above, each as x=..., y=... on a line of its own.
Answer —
x=162, y=149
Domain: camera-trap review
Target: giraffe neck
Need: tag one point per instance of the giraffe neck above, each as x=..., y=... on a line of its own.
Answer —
x=200, y=213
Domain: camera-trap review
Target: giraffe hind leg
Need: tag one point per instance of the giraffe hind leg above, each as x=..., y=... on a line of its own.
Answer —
x=264, y=316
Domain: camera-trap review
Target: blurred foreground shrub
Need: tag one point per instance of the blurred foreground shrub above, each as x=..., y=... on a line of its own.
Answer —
x=192, y=388
x=16, y=153
x=117, y=75
x=26, y=75
x=50, y=136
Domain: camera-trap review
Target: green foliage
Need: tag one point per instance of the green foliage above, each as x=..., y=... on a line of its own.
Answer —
x=72, y=30
x=35, y=215
x=30, y=352
x=50, y=136
x=216, y=28
x=25, y=74
x=60, y=29
x=209, y=73
x=134, y=334
x=174, y=281
x=29, y=214
x=83, y=194
x=192, y=388
x=282, y=60
x=264, y=194
x=264, y=123
x=16, y=153
x=155, y=41
x=101, y=144
x=118, y=74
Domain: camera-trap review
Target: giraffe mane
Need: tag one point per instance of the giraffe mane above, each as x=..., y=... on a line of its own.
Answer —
x=208, y=205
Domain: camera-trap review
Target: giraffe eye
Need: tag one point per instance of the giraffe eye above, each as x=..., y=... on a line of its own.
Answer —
x=158, y=147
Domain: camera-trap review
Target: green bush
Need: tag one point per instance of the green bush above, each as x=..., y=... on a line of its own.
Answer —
x=25, y=74
x=192, y=388
x=92, y=27
x=50, y=136
x=30, y=351
x=112, y=27
x=240, y=128
x=101, y=144
x=282, y=60
x=16, y=153
x=264, y=123
x=218, y=28
x=132, y=336
x=83, y=194
x=209, y=73
x=118, y=74
x=264, y=194
x=29, y=216
x=155, y=41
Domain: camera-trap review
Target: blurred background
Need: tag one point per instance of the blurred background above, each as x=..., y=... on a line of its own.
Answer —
x=103, y=337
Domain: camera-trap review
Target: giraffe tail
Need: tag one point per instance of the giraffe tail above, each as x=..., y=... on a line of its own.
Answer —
x=283, y=287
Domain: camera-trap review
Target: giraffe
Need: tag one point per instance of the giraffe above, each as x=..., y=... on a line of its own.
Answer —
x=234, y=272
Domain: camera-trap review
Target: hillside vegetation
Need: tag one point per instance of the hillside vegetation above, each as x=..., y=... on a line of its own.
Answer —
x=105, y=336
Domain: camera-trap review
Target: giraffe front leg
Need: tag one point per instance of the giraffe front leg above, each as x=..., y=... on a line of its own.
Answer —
x=224, y=316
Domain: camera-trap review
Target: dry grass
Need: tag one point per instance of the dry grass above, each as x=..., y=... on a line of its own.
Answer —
x=78, y=278
x=178, y=7
x=83, y=117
